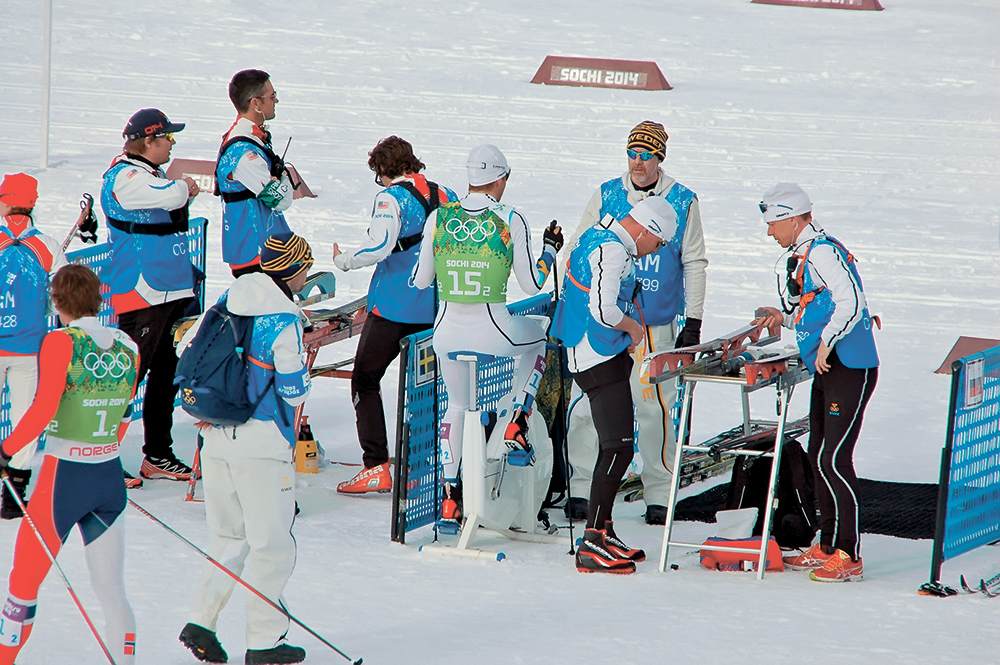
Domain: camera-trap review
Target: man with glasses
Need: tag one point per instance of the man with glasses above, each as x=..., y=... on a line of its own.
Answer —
x=475, y=245
x=251, y=179
x=150, y=274
x=672, y=281
x=395, y=308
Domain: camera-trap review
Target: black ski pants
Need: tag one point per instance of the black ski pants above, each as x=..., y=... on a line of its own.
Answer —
x=837, y=407
x=151, y=328
x=607, y=387
x=377, y=348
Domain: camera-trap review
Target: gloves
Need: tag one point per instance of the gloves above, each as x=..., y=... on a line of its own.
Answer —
x=553, y=237
x=690, y=335
x=4, y=461
x=88, y=228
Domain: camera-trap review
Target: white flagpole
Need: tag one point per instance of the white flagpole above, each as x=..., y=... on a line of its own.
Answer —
x=46, y=83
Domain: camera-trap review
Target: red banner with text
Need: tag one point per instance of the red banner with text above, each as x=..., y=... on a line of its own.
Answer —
x=601, y=73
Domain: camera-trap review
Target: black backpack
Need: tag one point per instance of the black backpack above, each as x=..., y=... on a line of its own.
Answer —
x=795, y=521
x=213, y=372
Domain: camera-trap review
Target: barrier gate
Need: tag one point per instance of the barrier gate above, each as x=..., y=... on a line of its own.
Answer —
x=97, y=259
x=968, y=514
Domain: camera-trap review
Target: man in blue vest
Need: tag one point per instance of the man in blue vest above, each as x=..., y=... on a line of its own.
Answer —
x=596, y=319
x=150, y=275
x=672, y=280
x=396, y=309
x=32, y=256
x=825, y=305
x=252, y=180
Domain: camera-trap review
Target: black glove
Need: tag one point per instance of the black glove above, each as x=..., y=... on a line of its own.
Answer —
x=4, y=461
x=552, y=236
x=88, y=228
x=690, y=334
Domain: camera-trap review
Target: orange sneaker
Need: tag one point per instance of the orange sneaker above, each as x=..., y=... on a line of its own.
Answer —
x=810, y=559
x=375, y=479
x=839, y=568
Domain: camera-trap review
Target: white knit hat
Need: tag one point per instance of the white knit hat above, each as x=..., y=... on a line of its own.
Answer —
x=784, y=200
x=657, y=216
x=486, y=164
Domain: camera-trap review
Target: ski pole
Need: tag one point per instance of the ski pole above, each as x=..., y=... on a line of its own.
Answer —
x=86, y=208
x=241, y=582
x=52, y=558
x=563, y=415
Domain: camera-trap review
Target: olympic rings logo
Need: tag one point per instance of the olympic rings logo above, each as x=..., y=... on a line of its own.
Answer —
x=473, y=229
x=107, y=364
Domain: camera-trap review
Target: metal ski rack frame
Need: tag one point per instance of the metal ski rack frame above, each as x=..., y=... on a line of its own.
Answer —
x=325, y=328
x=784, y=375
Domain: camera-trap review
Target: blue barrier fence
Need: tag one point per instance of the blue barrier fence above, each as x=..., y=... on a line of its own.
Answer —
x=415, y=501
x=968, y=514
x=97, y=259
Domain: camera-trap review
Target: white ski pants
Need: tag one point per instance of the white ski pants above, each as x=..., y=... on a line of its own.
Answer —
x=21, y=373
x=249, y=482
x=482, y=329
x=655, y=435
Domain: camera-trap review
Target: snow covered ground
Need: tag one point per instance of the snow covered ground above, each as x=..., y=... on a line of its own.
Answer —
x=888, y=119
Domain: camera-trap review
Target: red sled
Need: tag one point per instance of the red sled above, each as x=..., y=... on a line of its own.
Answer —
x=740, y=561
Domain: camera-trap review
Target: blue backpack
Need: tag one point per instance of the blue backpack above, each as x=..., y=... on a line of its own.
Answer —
x=213, y=372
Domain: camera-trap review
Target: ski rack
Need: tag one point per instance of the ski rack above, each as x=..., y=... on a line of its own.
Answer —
x=707, y=357
x=782, y=372
x=325, y=328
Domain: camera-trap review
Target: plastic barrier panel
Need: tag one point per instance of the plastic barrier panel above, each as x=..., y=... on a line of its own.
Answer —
x=969, y=492
x=415, y=501
x=97, y=259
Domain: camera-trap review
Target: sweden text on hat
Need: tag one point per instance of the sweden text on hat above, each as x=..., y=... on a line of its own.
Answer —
x=784, y=200
x=648, y=136
x=149, y=122
x=19, y=190
x=657, y=216
x=486, y=164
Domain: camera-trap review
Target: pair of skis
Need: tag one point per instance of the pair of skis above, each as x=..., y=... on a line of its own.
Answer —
x=989, y=588
x=697, y=466
x=706, y=357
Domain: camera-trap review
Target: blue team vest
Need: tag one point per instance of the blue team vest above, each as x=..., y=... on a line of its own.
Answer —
x=161, y=260
x=266, y=329
x=661, y=273
x=389, y=293
x=572, y=318
x=857, y=349
x=23, y=300
x=245, y=224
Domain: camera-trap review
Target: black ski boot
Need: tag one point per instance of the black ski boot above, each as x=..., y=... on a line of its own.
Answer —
x=620, y=549
x=19, y=478
x=203, y=643
x=594, y=556
x=283, y=653
x=576, y=508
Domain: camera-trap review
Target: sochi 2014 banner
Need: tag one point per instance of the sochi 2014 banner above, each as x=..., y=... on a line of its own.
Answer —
x=601, y=73
x=869, y=5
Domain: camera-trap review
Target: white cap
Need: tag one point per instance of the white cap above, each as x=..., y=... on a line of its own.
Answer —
x=657, y=216
x=486, y=164
x=784, y=200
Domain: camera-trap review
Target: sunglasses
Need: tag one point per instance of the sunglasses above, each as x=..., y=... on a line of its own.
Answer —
x=644, y=156
x=273, y=95
x=166, y=135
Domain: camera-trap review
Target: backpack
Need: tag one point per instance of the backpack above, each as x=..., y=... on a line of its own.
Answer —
x=795, y=522
x=213, y=372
